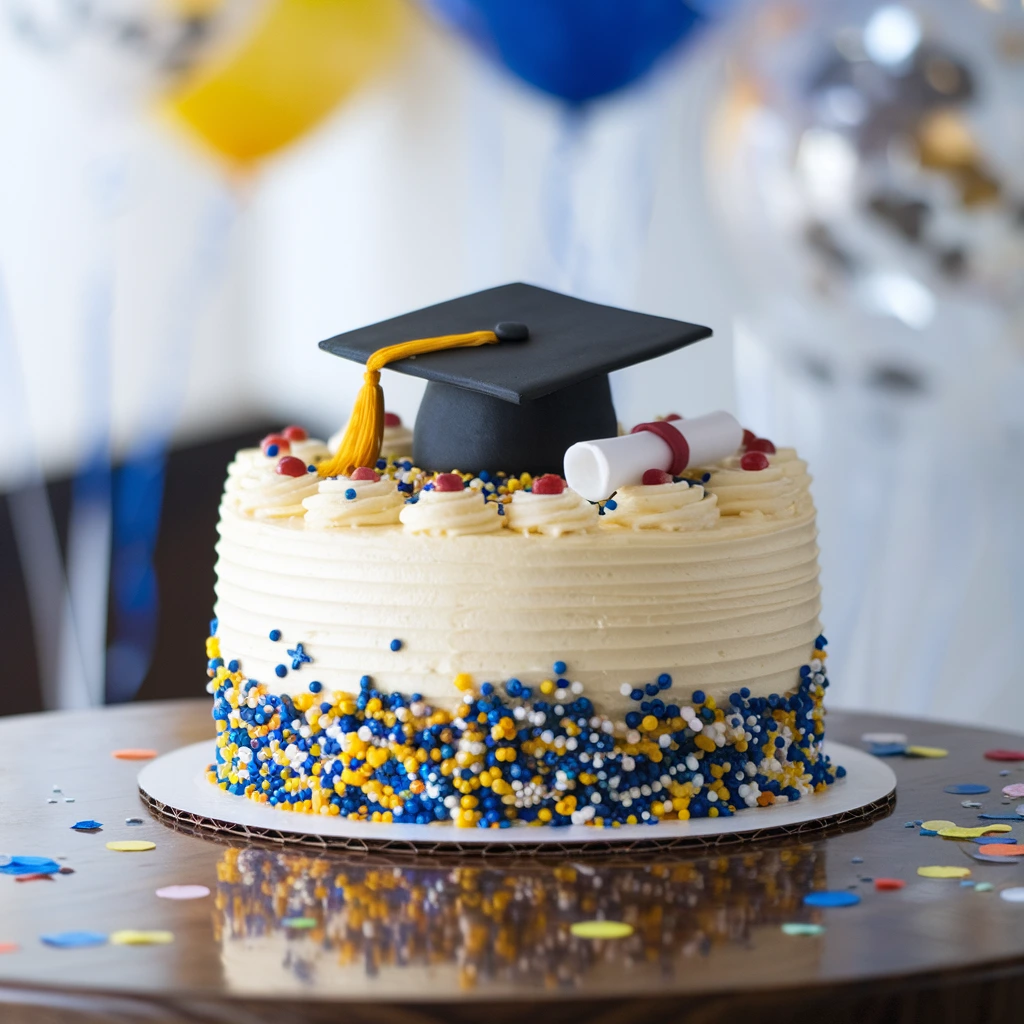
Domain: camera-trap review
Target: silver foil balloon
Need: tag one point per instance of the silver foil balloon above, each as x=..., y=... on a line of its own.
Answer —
x=867, y=160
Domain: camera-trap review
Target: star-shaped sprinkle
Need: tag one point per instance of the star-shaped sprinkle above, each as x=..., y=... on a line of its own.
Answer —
x=298, y=656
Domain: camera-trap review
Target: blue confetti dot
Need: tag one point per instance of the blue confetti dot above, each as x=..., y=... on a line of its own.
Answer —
x=611, y=504
x=559, y=667
x=233, y=665
x=87, y=826
x=396, y=645
x=697, y=697
x=967, y=789
x=315, y=687
x=281, y=671
x=831, y=898
x=350, y=493
x=23, y=865
x=275, y=635
x=74, y=940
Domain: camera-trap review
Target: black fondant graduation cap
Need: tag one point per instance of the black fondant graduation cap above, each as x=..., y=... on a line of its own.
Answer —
x=528, y=379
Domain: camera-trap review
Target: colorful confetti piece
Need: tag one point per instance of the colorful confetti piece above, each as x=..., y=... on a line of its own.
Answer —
x=967, y=789
x=87, y=826
x=301, y=923
x=887, y=749
x=1000, y=817
x=131, y=845
x=183, y=892
x=936, y=823
x=800, y=928
x=984, y=857
x=74, y=940
x=1013, y=895
x=134, y=821
x=889, y=884
x=955, y=832
x=35, y=877
x=22, y=865
x=1003, y=850
x=9, y=947
x=831, y=898
x=883, y=738
x=1005, y=755
x=985, y=840
x=943, y=871
x=984, y=887
x=1014, y=789
x=970, y=803
x=601, y=930
x=131, y=937
x=926, y=752
x=134, y=754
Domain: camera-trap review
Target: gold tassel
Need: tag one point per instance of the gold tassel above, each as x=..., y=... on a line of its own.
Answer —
x=365, y=432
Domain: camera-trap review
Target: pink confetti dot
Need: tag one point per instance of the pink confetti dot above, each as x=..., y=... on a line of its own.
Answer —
x=183, y=892
x=1014, y=789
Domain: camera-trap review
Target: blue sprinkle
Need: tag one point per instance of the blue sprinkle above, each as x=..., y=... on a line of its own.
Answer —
x=966, y=789
x=213, y=627
x=636, y=694
x=275, y=635
x=350, y=493
x=281, y=671
x=232, y=665
x=831, y=898
x=559, y=667
x=697, y=697
x=87, y=826
x=74, y=940
x=272, y=450
x=311, y=469
x=396, y=645
x=611, y=504
x=664, y=681
x=887, y=749
x=315, y=687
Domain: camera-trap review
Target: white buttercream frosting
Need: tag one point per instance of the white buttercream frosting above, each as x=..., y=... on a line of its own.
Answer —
x=671, y=506
x=266, y=494
x=376, y=503
x=783, y=489
x=250, y=460
x=551, y=514
x=451, y=514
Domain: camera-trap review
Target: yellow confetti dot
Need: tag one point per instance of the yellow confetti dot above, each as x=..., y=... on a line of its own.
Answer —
x=926, y=752
x=601, y=930
x=972, y=833
x=943, y=871
x=131, y=845
x=130, y=937
x=937, y=824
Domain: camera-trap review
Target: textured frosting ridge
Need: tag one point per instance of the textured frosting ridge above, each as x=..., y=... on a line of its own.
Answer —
x=671, y=506
x=375, y=503
x=451, y=514
x=263, y=493
x=551, y=514
x=783, y=489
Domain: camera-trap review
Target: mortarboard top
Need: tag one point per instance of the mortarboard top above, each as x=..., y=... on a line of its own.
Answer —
x=519, y=404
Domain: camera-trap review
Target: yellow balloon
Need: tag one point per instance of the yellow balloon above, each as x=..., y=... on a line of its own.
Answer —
x=301, y=60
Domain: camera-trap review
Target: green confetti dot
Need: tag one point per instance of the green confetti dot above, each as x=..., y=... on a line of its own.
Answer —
x=601, y=929
x=800, y=928
x=299, y=922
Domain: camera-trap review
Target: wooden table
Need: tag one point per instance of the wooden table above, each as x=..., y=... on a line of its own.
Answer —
x=289, y=935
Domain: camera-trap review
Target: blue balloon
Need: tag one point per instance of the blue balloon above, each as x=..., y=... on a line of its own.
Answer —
x=576, y=50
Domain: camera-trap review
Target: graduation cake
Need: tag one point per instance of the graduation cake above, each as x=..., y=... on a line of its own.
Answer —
x=529, y=618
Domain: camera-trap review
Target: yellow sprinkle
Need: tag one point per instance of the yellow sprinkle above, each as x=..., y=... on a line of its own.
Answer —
x=649, y=724
x=601, y=930
x=943, y=871
x=129, y=937
x=547, y=687
x=131, y=845
x=926, y=752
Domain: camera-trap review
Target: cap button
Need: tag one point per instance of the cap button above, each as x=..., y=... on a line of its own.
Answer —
x=508, y=330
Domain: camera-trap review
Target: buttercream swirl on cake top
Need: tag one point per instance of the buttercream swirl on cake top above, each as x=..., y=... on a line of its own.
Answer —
x=263, y=493
x=551, y=514
x=783, y=489
x=247, y=460
x=342, y=502
x=668, y=506
x=451, y=514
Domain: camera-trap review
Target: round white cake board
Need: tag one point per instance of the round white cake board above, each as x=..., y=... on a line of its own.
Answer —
x=175, y=786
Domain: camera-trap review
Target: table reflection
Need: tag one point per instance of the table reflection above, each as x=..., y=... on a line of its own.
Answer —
x=291, y=921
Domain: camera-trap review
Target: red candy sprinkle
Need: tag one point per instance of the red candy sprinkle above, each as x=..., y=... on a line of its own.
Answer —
x=283, y=446
x=448, y=482
x=657, y=476
x=672, y=416
x=754, y=461
x=1004, y=755
x=761, y=444
x=294, y=433
x=549, y=483
x=364, y=473
x=889, y=884
x=748, y=436
x=291, y=466
x=392, y=419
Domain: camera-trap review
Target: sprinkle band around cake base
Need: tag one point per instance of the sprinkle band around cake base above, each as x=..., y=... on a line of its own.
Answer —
x=175, y=790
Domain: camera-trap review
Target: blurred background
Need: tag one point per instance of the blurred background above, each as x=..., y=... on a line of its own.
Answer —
x=195, y=192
